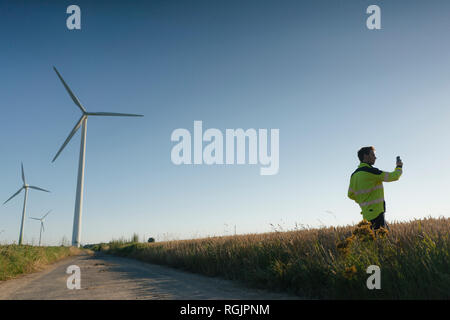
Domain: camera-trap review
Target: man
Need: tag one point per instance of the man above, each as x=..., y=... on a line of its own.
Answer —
x=366, y=187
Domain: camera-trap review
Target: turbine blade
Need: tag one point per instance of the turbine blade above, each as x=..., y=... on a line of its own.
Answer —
x=37, y=188
x=35, y=218
x=15, y=194
x=74, y=98
x=43, y=229
x=74, y=130
x=46, y=214
x=23, y=174
x=114, y=114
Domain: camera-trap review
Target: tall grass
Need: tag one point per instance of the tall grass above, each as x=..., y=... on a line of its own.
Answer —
x=319, y=263
x=16, y=260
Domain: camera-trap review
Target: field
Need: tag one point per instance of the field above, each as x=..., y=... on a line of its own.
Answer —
x=16, y=260
x=326, y=263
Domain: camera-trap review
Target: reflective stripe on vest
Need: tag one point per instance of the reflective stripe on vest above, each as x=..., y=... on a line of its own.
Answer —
x=368, y=203
x=369, y=190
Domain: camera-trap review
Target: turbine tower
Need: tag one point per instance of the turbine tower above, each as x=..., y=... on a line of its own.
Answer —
x=76, y=235
x=26, y=187
x=42, y=225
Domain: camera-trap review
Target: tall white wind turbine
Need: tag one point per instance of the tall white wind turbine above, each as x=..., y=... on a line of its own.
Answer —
x=42, y=225
x=76, y=235
x=26, y=187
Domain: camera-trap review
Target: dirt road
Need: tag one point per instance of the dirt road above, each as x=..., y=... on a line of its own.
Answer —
x=109, y=277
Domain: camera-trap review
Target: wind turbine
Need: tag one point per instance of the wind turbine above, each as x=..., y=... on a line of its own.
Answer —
x=76, y=234
x=26, y=187
x=42, y=225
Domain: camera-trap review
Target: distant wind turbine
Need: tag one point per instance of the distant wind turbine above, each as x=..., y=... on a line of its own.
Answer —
x=76, y=235
x=26, y=187
x=42, y=225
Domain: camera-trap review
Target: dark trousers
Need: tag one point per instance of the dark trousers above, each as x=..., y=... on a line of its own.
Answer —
x=379, y=222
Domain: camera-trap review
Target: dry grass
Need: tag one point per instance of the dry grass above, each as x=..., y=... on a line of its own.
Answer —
x=319, y=263
x=16, y=260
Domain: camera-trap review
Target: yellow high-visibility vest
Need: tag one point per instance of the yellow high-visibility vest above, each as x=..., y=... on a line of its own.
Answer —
x=366, y=188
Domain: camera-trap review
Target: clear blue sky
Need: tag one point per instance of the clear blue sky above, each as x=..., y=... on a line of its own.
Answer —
x=310, y=69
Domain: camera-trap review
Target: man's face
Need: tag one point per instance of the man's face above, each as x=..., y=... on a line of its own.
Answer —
x=370, y=158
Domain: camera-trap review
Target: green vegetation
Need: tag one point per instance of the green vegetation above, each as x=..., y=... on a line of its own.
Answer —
x=317, y=263
x=16, y=260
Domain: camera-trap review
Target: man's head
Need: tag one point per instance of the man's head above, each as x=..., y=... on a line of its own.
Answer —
x=367, y=155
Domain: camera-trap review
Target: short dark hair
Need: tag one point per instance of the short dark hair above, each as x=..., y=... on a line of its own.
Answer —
x=363, y=151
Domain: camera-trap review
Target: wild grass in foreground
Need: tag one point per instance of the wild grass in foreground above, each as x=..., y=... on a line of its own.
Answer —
x=16, y=260
x=318, y=263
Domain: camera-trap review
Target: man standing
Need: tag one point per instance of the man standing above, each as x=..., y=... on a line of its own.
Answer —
x=366, y=187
